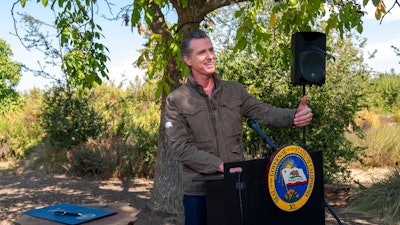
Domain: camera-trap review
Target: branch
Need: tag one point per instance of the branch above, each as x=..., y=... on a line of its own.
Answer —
x=396, y=2
x=158, y=25
x=15, y=25
x=200, y=9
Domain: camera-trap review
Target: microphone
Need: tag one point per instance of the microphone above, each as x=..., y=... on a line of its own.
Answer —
x=254, y=125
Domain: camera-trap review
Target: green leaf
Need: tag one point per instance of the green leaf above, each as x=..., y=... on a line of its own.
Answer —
x=184, y=3
x=174, y=48
x=159, y=90
x=61, y=3
x=360, y=28
x=23, y=2
x=376, y=2
x=293, y=2
x=166, y=87
x=241, y=44
x=44, y=2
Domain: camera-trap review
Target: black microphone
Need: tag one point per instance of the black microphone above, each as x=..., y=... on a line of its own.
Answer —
x=254, y=125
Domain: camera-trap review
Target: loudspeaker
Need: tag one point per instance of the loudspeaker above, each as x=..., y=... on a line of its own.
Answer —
x=308, y=58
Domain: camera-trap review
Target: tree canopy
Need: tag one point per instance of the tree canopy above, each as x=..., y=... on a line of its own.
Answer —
x=10, y=74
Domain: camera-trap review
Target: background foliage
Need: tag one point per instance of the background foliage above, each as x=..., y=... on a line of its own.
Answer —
x=108, y=132
x=71, y=118
x=20, y=131
x=10, y=74
x=267, y=76
x=67, y=120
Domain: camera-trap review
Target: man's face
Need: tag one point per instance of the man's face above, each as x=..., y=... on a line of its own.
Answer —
x=202, y=61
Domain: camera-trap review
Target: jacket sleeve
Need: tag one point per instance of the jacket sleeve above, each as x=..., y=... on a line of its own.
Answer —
x=182, y=145
x=266, y=114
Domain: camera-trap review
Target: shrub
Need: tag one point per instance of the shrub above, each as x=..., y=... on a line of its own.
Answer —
x=125, y=144
x=107, y=158
x=386, y=97
x=20, y=131
x=67, y=119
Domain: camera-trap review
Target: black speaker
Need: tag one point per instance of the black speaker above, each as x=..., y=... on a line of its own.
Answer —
x=308, y=58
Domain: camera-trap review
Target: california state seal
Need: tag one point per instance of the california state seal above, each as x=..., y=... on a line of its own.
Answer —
x=290, y=177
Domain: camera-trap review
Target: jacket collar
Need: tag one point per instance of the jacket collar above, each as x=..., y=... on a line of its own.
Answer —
x=192, y=82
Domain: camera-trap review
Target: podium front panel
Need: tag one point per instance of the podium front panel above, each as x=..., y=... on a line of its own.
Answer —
x=243, y=198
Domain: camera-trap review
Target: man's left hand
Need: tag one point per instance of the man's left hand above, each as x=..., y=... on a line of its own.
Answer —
x=303, y=115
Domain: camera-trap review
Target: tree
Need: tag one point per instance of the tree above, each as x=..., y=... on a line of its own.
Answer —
x=86, y=61
x=10, y=74
x=386, y=97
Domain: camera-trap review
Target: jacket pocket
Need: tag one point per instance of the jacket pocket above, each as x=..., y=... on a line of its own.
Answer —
x=236, y=149
x=230, y=117
x=198, y=123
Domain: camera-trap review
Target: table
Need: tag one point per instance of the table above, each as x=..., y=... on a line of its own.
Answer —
x=126, y=215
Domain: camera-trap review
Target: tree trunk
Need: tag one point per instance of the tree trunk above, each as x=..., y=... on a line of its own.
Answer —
x=167, y=191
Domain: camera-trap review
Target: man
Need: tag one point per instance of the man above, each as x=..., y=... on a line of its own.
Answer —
x=204, y=121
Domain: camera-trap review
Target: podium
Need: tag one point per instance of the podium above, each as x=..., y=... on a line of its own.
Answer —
x=243, y=198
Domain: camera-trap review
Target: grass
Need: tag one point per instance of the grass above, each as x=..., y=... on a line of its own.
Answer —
x=381, y=141
x=381, y=199
x=105, y=158
x=382, y=149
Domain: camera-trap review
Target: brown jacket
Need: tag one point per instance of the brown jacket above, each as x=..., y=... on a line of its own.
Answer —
x=203, y=131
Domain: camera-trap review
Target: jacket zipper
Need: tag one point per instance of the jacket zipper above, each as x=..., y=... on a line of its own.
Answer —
x=213, y=116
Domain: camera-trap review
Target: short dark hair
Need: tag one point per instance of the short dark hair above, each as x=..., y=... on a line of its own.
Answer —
x=185, y=46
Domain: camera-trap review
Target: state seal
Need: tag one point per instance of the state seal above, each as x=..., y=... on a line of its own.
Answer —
x=290, y=177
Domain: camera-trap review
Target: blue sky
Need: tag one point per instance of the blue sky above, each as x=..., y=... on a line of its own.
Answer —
x=124, y=43
x=381, y=36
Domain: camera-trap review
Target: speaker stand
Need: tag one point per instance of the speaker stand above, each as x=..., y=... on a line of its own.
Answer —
x=305, y=127
x=304, y=144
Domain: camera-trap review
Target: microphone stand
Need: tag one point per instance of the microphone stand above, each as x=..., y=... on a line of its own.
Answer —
x=267, y=140
x=304, y=144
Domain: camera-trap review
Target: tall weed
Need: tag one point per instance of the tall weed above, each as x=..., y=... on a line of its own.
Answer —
x=111, y=157
x=381, y=141
x=382, y=199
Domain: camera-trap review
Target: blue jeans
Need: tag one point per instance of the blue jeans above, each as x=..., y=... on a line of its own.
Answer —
x=195, y=210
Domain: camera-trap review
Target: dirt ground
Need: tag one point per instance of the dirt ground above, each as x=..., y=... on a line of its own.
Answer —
x=21, y=191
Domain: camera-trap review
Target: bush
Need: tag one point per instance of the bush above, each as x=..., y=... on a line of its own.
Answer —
x=125, y=143
x=385, y=97
x=67, y=119
x=20, y=131
x=108, y=158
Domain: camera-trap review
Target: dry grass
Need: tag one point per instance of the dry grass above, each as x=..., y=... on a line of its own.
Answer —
x=380, y=196
x=381, y=199
x=381, y=141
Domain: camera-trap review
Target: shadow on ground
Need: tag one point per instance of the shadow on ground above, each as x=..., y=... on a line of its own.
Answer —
x=22, y=191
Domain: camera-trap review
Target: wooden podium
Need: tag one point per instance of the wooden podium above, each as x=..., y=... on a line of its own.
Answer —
x=243, y=198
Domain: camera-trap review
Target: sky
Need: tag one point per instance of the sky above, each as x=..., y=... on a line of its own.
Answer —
x=124, y=43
